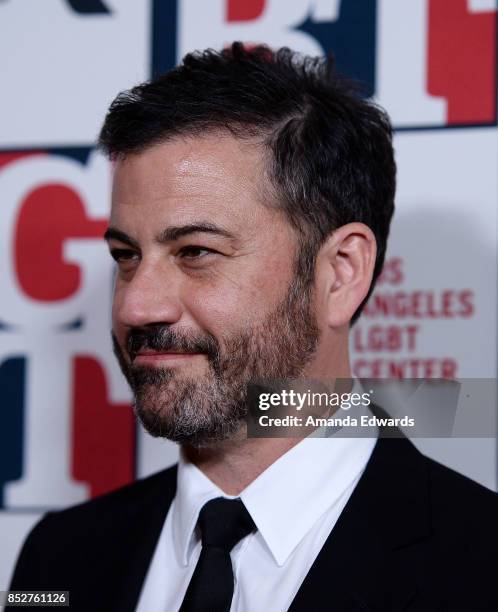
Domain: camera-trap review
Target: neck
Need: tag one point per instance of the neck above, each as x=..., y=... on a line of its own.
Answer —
x=233, y=464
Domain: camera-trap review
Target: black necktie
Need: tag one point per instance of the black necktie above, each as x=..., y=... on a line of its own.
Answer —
x=223, y=523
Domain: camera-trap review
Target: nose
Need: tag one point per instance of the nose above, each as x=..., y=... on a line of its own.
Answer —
x=151, y=296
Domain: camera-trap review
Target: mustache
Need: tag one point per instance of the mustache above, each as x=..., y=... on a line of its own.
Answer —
x=164, y=338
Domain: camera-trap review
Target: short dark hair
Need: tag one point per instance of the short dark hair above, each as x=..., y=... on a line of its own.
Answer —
x=330, y=159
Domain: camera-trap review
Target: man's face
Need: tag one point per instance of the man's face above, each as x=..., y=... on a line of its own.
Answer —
x=206, y=299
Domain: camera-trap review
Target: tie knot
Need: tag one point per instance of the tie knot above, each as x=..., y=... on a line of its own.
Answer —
x=224, y=522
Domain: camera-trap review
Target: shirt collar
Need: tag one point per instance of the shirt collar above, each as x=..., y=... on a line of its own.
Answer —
x=282, y=511
x=324, y=469
x=193, y=490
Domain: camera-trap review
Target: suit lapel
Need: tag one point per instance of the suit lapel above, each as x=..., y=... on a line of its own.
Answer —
x=141, y=537
x=362, y=565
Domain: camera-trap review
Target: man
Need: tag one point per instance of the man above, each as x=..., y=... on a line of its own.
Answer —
x=253, y=192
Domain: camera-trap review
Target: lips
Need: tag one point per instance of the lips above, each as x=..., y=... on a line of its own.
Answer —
x=170, y=352
x=151, y=356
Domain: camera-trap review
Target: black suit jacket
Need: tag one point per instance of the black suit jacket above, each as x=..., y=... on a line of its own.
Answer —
x=414, y=536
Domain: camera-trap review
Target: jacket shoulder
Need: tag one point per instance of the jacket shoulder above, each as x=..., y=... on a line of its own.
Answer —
x=86, y=548
x=448, y=487
x=104, y=518
x=125, y=499
x=463, y=515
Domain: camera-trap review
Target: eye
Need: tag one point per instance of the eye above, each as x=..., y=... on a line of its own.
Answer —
x=123, y=255
x=192, y=252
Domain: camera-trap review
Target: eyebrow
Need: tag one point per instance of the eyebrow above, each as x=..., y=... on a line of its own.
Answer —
x=177, y=231
x=113, y=233
x=170, y=234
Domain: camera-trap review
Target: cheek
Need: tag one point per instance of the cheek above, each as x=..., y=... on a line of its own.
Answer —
x=235, y=305
x=215, y=310
x=117, y=326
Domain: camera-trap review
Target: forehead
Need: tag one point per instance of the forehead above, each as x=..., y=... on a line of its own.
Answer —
x=210, y=175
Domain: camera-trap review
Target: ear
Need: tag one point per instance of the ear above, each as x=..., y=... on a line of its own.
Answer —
x=344, y=270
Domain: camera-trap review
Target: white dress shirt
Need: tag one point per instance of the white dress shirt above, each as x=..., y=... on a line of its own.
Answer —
x=294, y=503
